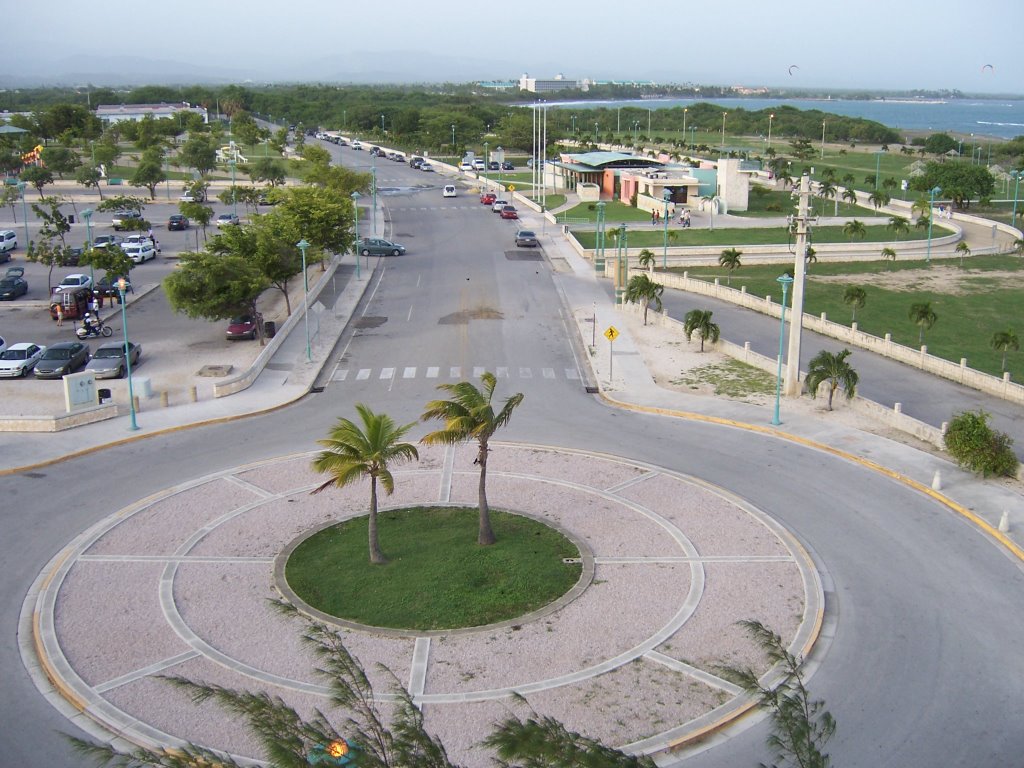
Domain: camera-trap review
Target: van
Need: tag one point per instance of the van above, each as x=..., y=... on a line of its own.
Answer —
x=449, y=190
x=8, y=240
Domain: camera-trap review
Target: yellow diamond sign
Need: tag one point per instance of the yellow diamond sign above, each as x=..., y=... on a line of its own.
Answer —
x=511, y=187
x=612, y=333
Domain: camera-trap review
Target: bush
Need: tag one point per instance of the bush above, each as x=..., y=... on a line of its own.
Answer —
x=977, y=447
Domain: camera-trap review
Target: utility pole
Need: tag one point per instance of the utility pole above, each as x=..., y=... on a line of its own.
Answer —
x=802, y=222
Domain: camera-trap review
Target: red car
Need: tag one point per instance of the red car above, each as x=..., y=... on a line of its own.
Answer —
x=488, y=198
x=509, y=212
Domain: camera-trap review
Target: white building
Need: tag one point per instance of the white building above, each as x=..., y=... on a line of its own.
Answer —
x=533, y=85
x=118, y=113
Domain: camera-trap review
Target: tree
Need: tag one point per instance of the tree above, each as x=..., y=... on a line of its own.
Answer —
x=699, y=321
x=353, y=452
x=52, y=248
x=879, y=198
x=1005, y=341
x=148, y=173
x=856, y=297
x=977, y=447
x=850, y=195
x=960, y=182
x=469, y=415
x=9, y=195
x=827, y=189
x=647, y=259
x=833, y=369
x=923, y=316
x=889, y=254
x=922, y=207
x=123, y=203
x=112, y=260
x=645, y=291
x=855, y=230
x=269, y=170
x=215, y=286
x=730, y=259
x=197, y=212
x=322, y=215
x=60, y=160
x=106, y=153
x=199, y=152
x=963, y=250
x=801, y=727
x=899, y=225
x=89, y=177
x=38, y=177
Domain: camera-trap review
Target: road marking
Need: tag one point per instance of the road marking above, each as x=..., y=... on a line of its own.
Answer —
x=341, y=375
x=409, y=373
x=502, y=372
x=432, y=372
x=525, y=373
x=548, y=373
x=408, y=316
x=418, y=671
x=455, y=372
x=478, y=371
x=387, y=373
x=364, y=373
x=572, y=374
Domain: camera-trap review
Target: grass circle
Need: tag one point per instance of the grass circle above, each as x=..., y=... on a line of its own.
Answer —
x=437, y=577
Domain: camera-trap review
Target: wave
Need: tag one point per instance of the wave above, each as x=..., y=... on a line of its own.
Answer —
x=1002, y=125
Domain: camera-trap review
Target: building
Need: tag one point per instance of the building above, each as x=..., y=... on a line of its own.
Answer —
x=118, y=113
x=559, y=83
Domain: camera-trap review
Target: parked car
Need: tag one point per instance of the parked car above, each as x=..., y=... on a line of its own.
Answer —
x=479, y=164
x=123, y=219
x=18, y=359
x=241, y=327
x=509, y=212
x=74, y=281
x=102, y=241
x=488, y=198
x=141, y=240
x=107, y=286
x=73, y=301
x=507, y=166
x=425, y=166
x=139, y=252
x=398, y=157
x=72, y=256
x=8, y=241
x=449, y=190
x=526, y=238
x=177, y=222
x=61, y=359
x=227, y=220
x=415, y=161
x=497, y=205
x=3, y=344
x=493, y=166
x=356, y=144
x=378, y=246
x=465, y=166
x=108, y=362
x=12, y=284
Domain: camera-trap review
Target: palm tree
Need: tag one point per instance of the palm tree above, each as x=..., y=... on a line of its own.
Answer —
x=1002, y=341
x=730, y=259
x=354, y=452
x=810, y=256
x=827, y=191
x=879, y=197
x=922, y=206
x=699, y=321
x=964, y=250
x=832, y=368
x=855, y=297
x=855, y=229
x=647, y=259
x=899, y=225
x=645, y=291
x=849, y=180
x=1018, y=245
x=469, y=415
x=923, y=316
x=850, y=195
x=889, y=254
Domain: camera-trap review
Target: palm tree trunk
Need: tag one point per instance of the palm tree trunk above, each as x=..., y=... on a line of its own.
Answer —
x=646, y=305
x=485, y=537
x=376, y=556
x=831, y=391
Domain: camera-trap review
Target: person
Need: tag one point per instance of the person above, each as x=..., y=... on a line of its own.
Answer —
x=60, y=315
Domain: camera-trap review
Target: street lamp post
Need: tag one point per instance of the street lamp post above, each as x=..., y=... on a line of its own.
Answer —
x=121, y=285
x=878, y=166
x=823, y=139
x=667, y=196
x=723, y=131
x=302, y=246
x=234, y=191
x=487, y=164
x=649, y=113
x=693, y=136
x=355, y=218
x=573, y=124
x=453, y=139
x=931, y=217
x=24, y=209
x=382, y=125
x=785, y=281
x=770, y=118
x=87, y=215
x=373, y=188
x=685, y=110
x=1016, y=188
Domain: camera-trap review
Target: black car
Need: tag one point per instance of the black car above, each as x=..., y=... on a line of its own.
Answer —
x=12, y=284
x=507, y=166
x=61, y=359
x=493, y=166
x=107, y=286
x=176, y=222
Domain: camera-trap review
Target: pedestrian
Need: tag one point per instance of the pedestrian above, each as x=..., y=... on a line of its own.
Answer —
x=92, y=302
x=60, y=314
x=653, y=220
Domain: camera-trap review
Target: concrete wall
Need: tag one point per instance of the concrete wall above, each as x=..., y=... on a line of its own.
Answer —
x=733, y=186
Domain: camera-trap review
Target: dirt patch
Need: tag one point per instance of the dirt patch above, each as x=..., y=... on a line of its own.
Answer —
x=947, y=279
x=463, y=317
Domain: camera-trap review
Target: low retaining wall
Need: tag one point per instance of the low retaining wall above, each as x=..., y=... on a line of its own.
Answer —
x=59, y=422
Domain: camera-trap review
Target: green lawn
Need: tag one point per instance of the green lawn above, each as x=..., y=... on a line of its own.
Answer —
x=437, y=576
x=645, y=237
x=613, y=211
x=764, y=202
x=551, y=201
x=971, y=304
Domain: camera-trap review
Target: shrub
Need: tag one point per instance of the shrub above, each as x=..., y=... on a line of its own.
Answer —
x=979, y=448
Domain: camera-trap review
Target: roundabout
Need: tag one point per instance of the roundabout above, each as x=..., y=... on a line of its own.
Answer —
x=182, y=583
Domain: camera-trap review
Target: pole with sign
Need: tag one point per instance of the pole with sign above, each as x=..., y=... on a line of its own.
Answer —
x=611, y=333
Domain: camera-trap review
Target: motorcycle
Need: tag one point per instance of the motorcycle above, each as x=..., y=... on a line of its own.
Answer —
x=93, y=331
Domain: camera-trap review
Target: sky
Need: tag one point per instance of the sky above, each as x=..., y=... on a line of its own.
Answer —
x=873, y=45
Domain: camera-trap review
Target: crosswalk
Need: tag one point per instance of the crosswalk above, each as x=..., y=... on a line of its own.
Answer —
x=452, y=372
x=442, y=208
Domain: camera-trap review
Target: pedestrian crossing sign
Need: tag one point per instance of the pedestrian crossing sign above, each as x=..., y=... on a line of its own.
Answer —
x=612, y=333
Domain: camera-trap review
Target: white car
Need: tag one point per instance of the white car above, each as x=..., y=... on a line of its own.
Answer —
x=464, y=166
x=18, y=359
x=449, y=190
x=499, y=205
x=479, y=164
x=8, y=240
x=141, y=240
x=74, y=281
x=226, y=220
x=139, y=252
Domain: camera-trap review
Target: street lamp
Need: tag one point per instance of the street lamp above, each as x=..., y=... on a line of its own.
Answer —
x=723, y=131
x=667, y=196
x=770, y=118
x=121, y=285
x=453, y=139
x=823, y=139
x=355, y=217
x=878, y=166
x=302, y=246
x=487, y=164
x=234, y=191
x=1016, y=188
x=573, y=123
x=785, y=281
x=693, y=136
x=373, y=188
x=685, y=110
x=24, y=209
x=597, y=133
x=87, y=215
x=931, y=217
x=382, y=125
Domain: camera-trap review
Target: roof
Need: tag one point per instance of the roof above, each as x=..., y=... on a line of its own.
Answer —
x=600, y=160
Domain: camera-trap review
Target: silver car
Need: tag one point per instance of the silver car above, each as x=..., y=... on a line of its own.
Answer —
x=108, y=360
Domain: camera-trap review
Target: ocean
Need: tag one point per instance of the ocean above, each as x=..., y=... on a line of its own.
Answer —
x=998, y=118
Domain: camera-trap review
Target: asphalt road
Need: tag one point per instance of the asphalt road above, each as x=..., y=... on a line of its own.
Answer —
x=923, y=668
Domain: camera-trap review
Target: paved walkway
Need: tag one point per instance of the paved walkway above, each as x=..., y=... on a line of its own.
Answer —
x=193, y=591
